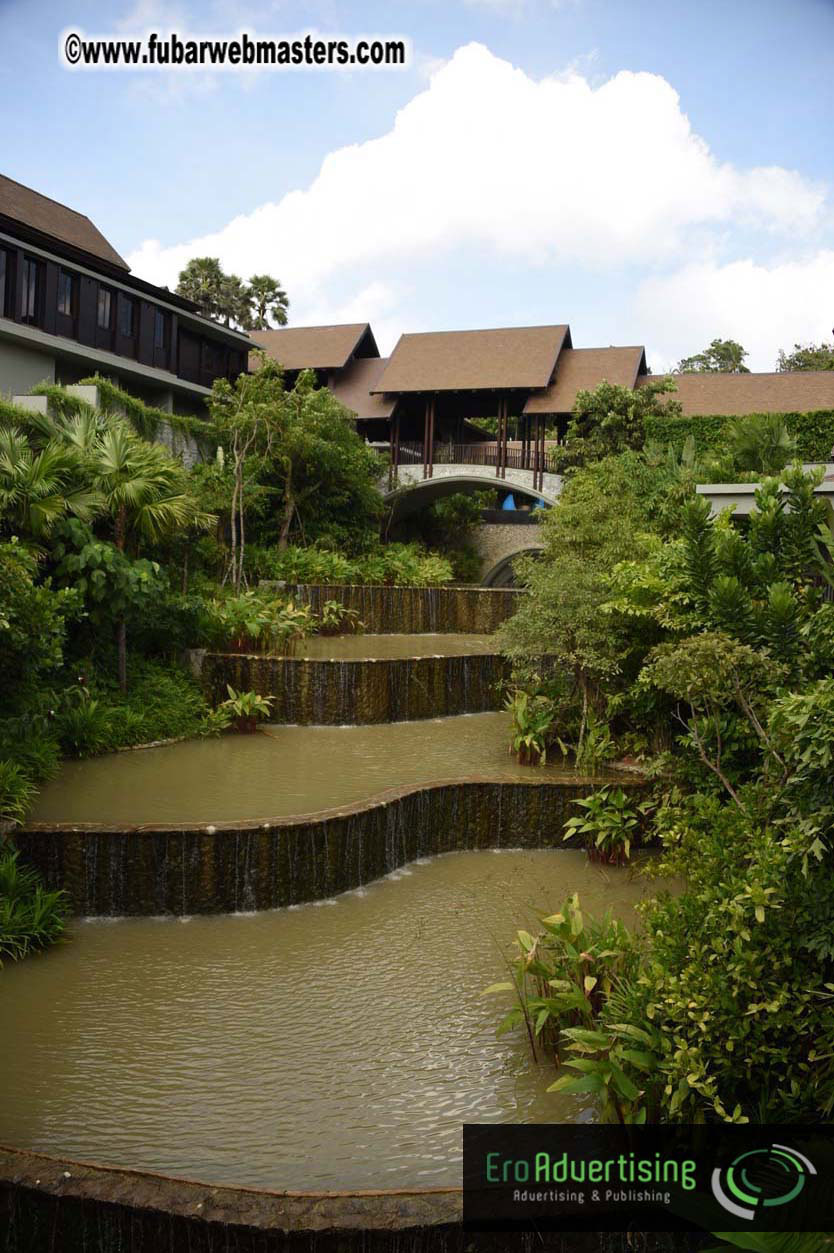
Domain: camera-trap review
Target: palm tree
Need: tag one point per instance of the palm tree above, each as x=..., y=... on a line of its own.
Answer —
x=269, y=300
x=235, y=302
x=144, y=491
x=38, y=487
x=762, y=443
x=202, y=281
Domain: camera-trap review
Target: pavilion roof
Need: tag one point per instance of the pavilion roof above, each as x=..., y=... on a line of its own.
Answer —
x=795, y=391
x=353, y=387
x=314, y=347
x=437, y=361
x=582, y=369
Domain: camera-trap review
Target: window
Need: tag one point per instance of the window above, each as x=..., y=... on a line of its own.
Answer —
x=4, y=265
x=31, y=292
x=104, y=308
x=126, y=316
x=66, y=293
x=160, y=330
x=212, y=357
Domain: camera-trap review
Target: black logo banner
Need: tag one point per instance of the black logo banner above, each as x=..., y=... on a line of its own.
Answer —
x=597, y=1177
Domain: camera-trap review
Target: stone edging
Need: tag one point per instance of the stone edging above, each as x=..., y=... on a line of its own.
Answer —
x=295, y=1211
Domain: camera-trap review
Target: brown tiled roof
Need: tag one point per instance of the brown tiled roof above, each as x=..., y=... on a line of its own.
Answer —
x=797, y=391
x=30, y=208
x=582, y=369
x=312, y=347
x=352, y=386
x=440, y=361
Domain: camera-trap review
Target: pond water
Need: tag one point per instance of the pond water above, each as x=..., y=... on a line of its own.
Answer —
x=360, y=646
x=280, y=771
x=339, y=1045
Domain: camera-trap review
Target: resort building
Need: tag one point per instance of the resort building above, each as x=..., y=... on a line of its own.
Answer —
x=70, y=308
x=421, y=400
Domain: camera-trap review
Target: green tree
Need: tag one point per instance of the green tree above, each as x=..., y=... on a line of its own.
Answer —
x=722, y=356
x=806, y=357
x=603, y=517
x=33, y=626
x=202, y=282
x=268, y=301
x=144, y=491
x=235, y=302
x=246, y=415
x=612, y=418
x=228, y=299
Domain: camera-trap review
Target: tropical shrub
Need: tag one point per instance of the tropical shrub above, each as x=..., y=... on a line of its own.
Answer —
x=401, y=564
x=609, y=824
x=334, y=618
x=30, y=917
x=253, y=621
x=84, y=726
x=562, y=981
x=16, y=792
x=533, y=719
x=245, y=709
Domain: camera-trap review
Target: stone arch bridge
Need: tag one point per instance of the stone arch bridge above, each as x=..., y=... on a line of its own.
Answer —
x=498, y=540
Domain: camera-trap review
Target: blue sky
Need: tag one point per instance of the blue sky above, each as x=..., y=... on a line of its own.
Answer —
x=651, y=172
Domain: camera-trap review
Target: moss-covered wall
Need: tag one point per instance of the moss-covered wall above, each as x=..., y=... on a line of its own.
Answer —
x=405, y=610
x=249, y=866
x=315, y=692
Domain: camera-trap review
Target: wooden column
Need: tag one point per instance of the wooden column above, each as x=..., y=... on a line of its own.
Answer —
x=428, y=437
x=394, y=449
x=501, y=448
x=542, y=432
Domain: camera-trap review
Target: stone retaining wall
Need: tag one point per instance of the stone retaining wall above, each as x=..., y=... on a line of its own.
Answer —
x=184, y=870
x=413, y=610
x=316, y=691
x=55, y=1205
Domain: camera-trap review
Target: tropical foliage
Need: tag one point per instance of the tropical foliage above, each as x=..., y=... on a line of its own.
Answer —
x=713, y=643
x=225, y=297
x=30, y=917
x=724, y=356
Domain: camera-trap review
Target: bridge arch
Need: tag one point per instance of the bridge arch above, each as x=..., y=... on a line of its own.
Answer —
x=413, y=492
x=501, y=574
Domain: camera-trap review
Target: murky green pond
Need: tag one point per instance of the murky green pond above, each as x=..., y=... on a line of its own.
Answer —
x=279, y=771
x=333, y=1046
x=386, y=646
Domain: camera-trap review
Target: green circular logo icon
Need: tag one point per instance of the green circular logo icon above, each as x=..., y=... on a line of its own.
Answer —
x=761, y=1178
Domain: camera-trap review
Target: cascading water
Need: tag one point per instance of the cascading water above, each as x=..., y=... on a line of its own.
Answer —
x=425, y=787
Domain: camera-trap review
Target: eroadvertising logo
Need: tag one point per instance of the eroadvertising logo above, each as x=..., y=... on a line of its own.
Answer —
x=761, y=1177
x=559, y=1177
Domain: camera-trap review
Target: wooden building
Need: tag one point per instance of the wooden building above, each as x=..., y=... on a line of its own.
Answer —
x=70, y=308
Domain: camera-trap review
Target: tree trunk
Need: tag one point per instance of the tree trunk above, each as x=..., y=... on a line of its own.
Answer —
x=286, y=521
x=121, y=639
x=121, y=628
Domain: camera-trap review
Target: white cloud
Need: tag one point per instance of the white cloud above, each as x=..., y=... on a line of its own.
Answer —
x=487, y=158
x=764, y=307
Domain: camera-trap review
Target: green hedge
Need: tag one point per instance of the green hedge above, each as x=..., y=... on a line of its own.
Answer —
x=144, y=419
x=814, y=432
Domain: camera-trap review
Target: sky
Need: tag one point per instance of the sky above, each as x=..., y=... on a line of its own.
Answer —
x=649, y=171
